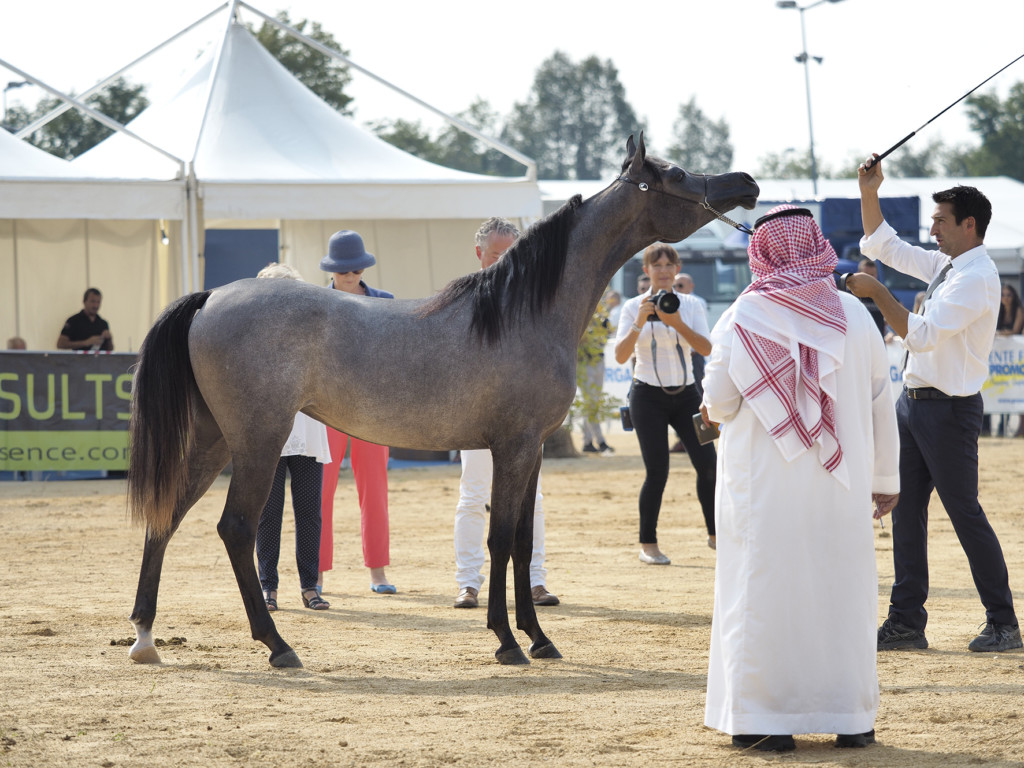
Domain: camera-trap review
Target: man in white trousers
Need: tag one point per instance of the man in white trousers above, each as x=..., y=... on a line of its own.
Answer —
x=494, y=237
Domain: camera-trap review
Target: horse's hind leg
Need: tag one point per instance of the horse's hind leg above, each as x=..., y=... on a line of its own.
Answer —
x=522, y=553
x=207, y=458
x=252, y=476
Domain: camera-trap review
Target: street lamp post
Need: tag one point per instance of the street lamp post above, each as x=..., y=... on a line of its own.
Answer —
x=803, y=59
x=10, y=87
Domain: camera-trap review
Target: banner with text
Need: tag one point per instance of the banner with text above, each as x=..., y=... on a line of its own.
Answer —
x=1002, y=392
x=64, y=411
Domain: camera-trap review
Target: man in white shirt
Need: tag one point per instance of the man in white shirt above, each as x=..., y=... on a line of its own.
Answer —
x=495, y=236
x=939, y=413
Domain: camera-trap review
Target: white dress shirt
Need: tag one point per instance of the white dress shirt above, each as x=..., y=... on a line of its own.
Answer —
x=671, y=372
x=949, y=344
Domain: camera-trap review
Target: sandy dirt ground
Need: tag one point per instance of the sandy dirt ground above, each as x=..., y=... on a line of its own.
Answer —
x=407, y=680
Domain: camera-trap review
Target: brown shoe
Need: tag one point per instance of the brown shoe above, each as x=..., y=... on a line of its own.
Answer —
x=467, y=598
x=541, y=596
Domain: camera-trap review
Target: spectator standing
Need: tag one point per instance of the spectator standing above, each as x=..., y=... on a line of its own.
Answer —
x=590, y=358
x=1010, y=323
x=87, y=330
x=493, y=238
x=939, y=412
x=663, y=393
x=302, y=457
x=346, y=260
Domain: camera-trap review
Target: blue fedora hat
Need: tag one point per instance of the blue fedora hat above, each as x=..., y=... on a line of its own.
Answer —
x=346, y=253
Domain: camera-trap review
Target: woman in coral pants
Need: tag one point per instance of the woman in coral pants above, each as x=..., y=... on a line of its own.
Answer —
x=346, y=259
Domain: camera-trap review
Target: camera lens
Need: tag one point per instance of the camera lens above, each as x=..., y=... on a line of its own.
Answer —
x=665, y=301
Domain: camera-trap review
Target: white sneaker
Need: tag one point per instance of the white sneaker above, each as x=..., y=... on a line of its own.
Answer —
x=654, y=559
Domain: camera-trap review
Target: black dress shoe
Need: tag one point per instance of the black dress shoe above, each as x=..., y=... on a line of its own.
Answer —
x=764, y=743
x=855, y=740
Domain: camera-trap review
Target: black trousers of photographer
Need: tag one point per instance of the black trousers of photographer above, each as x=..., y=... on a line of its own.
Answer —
x=653, y=411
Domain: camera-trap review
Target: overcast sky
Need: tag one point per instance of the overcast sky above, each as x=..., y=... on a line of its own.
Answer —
x=889, y=65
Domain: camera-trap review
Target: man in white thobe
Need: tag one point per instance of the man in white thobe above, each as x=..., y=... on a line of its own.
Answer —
x=799, y=380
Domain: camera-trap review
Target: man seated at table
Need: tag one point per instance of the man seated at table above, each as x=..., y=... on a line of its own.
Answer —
x=87, y=330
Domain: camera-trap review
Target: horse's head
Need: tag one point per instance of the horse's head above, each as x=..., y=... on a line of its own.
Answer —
x=679, y=203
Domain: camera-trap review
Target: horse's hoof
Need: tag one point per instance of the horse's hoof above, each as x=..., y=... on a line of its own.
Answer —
x=287, y=660
x=144, y=654
x=513, y=655
x=546, y=651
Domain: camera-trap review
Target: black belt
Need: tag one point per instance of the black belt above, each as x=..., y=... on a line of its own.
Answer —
x=638, y=383
x=931, y=393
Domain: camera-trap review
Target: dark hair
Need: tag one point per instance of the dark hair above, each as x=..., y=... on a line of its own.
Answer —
x=654, y=252
x=967, y=201
x=88, y=291
x=1006, y=318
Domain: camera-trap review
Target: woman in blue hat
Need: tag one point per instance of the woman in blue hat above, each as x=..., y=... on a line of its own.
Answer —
x=346, y=259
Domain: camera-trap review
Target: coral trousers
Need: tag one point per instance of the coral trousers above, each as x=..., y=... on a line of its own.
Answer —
x=370, y=468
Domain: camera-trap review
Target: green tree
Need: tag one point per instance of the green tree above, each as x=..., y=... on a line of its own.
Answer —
x=323, y=75
x=74, y=132
x=575, y=120
x=458, y=149
x=700, y=144
x=452, y=146
x=906, y=163
x=1000, y=124
x=409, y=136
x=788, y=164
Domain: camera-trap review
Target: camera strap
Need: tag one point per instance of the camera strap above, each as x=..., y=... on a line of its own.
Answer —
x=682, y=362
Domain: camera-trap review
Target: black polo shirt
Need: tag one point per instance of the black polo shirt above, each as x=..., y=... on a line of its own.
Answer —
x=79, y=328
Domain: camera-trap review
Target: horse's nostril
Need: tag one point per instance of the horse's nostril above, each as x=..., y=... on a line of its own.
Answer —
x=747, y=177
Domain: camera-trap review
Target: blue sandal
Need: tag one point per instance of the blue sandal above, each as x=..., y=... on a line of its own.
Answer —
x=384, y=589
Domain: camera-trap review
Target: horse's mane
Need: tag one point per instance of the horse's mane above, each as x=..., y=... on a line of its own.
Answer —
x=524, y=279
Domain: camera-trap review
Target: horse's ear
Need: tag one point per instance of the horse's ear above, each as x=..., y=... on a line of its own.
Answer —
x=637, y=154
x=630, y=148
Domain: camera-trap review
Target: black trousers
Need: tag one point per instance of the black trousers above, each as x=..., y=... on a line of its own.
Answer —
x=307, y=482
x=653, y=412
x=939, y=450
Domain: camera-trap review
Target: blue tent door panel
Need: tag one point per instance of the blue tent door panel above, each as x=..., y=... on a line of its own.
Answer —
x=234, y=254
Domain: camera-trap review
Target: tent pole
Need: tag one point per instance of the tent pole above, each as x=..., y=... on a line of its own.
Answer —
x=38, y=123
x=185, y=239
x=193, y=222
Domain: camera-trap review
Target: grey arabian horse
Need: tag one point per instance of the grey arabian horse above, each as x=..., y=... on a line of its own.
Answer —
x=489, y=362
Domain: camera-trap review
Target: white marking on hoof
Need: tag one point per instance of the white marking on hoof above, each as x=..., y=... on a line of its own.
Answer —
x=144, y=651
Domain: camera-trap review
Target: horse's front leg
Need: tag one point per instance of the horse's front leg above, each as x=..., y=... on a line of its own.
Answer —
x=514, y=466
x=522, y=554
x=247, y=495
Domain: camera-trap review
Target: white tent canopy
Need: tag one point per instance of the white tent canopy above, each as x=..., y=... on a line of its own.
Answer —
x=262, y=145
x=258, y=151
x=36, y=185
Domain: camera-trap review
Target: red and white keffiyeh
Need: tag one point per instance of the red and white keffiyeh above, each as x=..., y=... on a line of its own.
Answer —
x=792, y=331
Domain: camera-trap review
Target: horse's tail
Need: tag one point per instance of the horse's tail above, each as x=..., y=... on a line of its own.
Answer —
x=160, y=431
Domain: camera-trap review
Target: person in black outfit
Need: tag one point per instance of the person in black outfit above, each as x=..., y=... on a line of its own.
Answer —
x=868, y=267
x=87, y=330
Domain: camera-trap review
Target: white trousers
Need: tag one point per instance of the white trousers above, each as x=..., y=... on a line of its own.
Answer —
x=471, y=522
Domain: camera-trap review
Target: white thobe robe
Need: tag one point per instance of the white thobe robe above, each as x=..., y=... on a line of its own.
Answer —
x=796, y=593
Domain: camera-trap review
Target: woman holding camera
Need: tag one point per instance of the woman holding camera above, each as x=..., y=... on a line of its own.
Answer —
x=661, y=327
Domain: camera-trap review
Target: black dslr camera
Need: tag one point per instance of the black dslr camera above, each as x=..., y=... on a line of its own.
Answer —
x=666, y=301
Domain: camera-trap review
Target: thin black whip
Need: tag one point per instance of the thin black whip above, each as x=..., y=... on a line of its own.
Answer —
x=870, y=163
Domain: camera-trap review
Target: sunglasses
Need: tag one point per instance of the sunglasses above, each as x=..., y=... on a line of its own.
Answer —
x=352, y=272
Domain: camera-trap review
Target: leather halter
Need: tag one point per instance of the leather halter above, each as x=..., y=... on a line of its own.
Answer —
x=644, y=187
